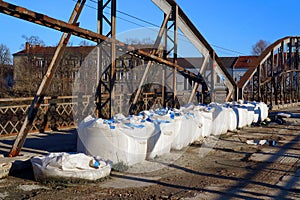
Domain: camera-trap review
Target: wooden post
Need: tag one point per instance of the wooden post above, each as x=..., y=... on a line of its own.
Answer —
x=39, y=97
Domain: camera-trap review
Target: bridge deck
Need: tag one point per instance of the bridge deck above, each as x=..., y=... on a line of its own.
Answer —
x=232, y=169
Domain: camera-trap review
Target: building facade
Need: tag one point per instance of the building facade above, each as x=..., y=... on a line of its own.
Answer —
x=30, y=65
x=6, y=80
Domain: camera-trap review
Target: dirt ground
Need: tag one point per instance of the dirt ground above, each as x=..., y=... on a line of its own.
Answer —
x=217, y=168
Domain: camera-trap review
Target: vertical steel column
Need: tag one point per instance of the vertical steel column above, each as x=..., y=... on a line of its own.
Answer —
x=264, y=87
x=213, y=71
x=165, y=49
x=172, y=23
x=291, y=68
x=269, y=84
x=105, y=93
x=274, y=85
x=175, y=18
x=196, y=86
x=254, y=79
x=39, y=96
x=163, y=85
x=297, y=68
x=277, y=78
x=99, y=53
x=283, y=81
x=259, y=83
x=154, y=51
x=113, y=11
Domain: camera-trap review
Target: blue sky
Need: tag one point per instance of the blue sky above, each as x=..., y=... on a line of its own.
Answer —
x=230, y=24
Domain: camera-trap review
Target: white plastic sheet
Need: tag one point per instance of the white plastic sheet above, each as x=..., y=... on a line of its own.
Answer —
x=65, y=165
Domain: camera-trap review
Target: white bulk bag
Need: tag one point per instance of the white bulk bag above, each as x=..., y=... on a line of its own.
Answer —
x=205, y=119
x=264, y=111
x=185, y=127
x=241, y=116
x=220, y=120
x=232, y=119
x=117, y=142
x=160, y=142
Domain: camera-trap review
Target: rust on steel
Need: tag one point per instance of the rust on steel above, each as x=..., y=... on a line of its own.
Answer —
x=39, y=97
x=197, y=36
x=270, y=83
x=248, y=75
x=202, y=39
x=59, y=25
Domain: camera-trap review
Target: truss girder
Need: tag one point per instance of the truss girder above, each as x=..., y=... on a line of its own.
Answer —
x=278, y=67
x=44, y=20
x=192, y=33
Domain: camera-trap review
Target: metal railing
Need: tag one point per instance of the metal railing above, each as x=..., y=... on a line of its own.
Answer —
x=55, y=113
x=63, y=112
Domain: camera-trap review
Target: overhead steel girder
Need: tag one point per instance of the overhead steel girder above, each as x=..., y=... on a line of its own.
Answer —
x=276, y=76
x=192, y=33
x=62, y=26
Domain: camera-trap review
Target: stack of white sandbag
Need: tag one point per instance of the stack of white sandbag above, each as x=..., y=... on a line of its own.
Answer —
x=152, y=133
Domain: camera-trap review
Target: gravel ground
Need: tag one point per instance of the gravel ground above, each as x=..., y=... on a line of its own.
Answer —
x=216, y=168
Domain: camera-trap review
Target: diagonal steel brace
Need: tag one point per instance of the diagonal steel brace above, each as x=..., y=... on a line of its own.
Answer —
x=39, y=97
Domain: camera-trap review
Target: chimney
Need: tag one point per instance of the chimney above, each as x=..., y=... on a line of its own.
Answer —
x=27, y=46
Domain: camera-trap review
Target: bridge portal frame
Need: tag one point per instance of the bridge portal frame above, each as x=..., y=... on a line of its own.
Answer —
x=72, y=28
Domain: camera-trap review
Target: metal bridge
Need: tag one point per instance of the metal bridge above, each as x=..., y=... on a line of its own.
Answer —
x=259, y=83
x=274, y=77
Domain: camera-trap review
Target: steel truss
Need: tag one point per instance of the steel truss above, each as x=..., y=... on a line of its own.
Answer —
x=105, y=95
x=106, y=60
x=274, y=78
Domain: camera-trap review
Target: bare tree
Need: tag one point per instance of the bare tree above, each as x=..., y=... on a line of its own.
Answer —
x=85, y=43
x=32, y=40
x=5, y=57
x=259, y=47
x=5, y=70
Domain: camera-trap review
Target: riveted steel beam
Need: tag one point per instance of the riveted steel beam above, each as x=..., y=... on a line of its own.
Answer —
x=39, y=97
